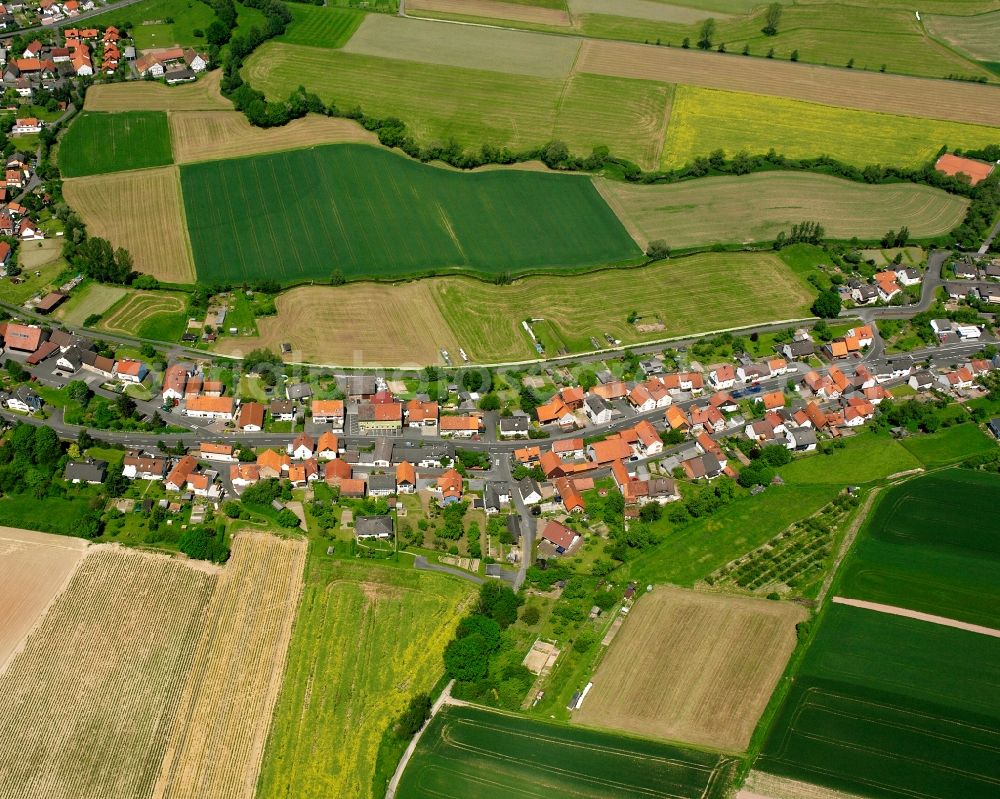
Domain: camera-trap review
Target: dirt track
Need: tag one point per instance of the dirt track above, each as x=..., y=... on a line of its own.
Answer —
x=892, y=610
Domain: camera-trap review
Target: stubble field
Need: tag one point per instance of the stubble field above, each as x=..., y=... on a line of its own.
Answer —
x=203, y=95
x=429, y=220
x=140, y=211
x=351, y=671
x=704, y=120
x=469, y=751
x=34, y=569
x=210, y=135
x=492, y=9
x=978, y=35
x=693, y=667
x=716, y=209
x=89, y=701
x=224, y=715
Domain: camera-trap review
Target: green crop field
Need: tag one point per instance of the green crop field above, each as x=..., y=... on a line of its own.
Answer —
x=366, y=639
x=885, y=706
x=704, y=120
x=321, y=26
x=950, y=445
x=932, y=545
x=715, y=210
x=476, y=107
x=371, y=213
x=97, y=143
x=476, y=752
x=705, y=292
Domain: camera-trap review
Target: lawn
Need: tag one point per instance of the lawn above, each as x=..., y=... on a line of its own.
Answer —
x=863, y=458
x=919, y=549
x=715, y=210
x=61, y=515
x=97, y=143
x=475, y=106
x=428, y=219
x=321, y=26
x=885, y=706
x=691, y=553
x=91, y=298
x=366, y=639
x=474, y=752
x=704, y=120
x=950, y=445
x=158, y=315
x=30, y=285
x=150, y=26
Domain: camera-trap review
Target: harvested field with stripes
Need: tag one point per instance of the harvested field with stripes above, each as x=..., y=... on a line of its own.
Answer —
x=34, y=569
x=869, y=91
x=492, y=9
x=89, y=701
x=140, y=211
x=239, y=664
x=140, y=95
x=694, y=667
x=321, y=26
x=977, y=35
x=716, y=210
x=139, y=307
x=210, y=135
x=469, y=46
x=411, y=328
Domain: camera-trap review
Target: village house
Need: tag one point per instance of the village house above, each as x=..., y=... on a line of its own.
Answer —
x=597, y=409
x=272, y=463
x=179, y=474
x=559, y=536
x=380, y=417
x=242, y=475
x=459, y=426
x=136, y=466
x=251, y=418
x=130, y=371
x=556, y=412
x=421, y=414
x=516, y=426
x=329, y=412
x=91, y=472
x=160, y=63
x=722, y=377
x=327, y=446
x=608, y=451
x=568, y=447
x=217, y=408
x=282, y=410
x=212, y=451
x=373, y=527
x=302, y=447
x=25, y=400
x=22, y=338
x=174, y=381
x=707, y=417
x=406, y=478
x=381, y=485
x=531, y=493
x=449, y=487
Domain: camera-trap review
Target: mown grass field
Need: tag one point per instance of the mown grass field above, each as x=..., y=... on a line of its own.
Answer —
x=147, y=314
x=891, y=707
x=97, y=143
x=93, y=298
x=978, y=35
x=864, y=458
x=142, y=212
x=366, y=639
x=476, y=107
x=716, y=210
x=950, y=445
x=321, y=26
x=704, y=120
x=694, y=667
x=428, y=220
x=706, y=292
x=474, y=752
x=933, y=545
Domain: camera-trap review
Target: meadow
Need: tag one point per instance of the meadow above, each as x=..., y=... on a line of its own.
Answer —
x=321, y=26
x=90, y=299
x=87, y=710
x=715, y=210
x=162, y=23
x=429, y=220
x=366, y=639
x=919, y=549
x=142, y=212
x=949, y=445
x=210, y=135
x=693, y=667
x=891, y=707
x=475, y=107
x=469, y=751
x=98, y=143
x=706, y=292
x=705, y=120
x=864, y=458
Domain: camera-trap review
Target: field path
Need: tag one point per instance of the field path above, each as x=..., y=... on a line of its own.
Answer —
x=892, y=610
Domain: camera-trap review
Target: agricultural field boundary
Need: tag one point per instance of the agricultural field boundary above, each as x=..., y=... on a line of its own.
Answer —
x=916, y=614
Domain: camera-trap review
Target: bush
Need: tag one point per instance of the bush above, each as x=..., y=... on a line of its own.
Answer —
x=531, y=615
x=287, y=518
x=413, y=718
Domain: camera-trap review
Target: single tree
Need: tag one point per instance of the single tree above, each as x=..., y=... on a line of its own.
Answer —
x=707, y=32
x=827, y=304
x=771, y=19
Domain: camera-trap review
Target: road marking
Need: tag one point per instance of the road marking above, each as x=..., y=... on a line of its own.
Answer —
x=892, y=610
